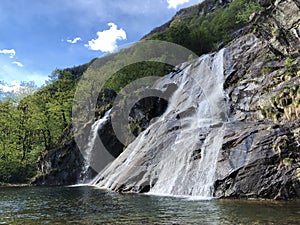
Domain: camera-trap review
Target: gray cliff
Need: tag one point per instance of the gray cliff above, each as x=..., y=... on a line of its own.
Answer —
x=230, y=130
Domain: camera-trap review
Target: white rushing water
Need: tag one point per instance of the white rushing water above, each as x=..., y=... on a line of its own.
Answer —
x=177, y=155
x=90, y=146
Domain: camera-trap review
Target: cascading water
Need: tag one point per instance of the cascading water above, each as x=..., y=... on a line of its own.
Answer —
x=84, y=178
x=177, y=154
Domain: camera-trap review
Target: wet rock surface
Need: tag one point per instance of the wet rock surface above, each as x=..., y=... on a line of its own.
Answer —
x=259, y=160
x=260, y=153
x=62, y=165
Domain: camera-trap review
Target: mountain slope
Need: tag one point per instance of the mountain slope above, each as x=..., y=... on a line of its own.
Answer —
x=255, y=152
x=207, y=26
x=259, y=156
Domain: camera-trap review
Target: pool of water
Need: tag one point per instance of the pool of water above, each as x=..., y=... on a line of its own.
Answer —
x=87, y=205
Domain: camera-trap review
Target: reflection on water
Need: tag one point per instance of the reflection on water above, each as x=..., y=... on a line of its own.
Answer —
x=86, y=205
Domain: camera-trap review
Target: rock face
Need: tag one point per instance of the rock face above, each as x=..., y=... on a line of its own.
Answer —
x=144, y=111
x=257, y=148
x=259, y=160
x=279, y=24
x=62, y=165
x=260, y=154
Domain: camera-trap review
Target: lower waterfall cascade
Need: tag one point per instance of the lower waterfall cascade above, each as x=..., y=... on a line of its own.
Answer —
x=90, y=146
x=177, y=154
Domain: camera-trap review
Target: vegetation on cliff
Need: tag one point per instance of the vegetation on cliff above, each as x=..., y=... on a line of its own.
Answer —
x=207, y=26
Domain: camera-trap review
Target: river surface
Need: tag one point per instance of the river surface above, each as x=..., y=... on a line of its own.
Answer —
x=87, y=205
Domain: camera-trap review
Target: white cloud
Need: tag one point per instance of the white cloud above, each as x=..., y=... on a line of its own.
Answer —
x=10, y=52
x=175, y=3
x=19, y=64
x=107, y=39
x=74, y=41
x=16, y=88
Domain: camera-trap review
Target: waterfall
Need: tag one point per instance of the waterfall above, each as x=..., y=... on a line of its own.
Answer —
x=177, y=155
x=84, y=176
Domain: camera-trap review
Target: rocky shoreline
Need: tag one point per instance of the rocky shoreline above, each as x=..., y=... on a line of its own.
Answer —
x=2, y=185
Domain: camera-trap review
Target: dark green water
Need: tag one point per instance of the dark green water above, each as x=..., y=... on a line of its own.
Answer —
x=85, y=205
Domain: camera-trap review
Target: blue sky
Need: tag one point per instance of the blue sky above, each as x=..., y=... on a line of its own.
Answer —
x=38, y=36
